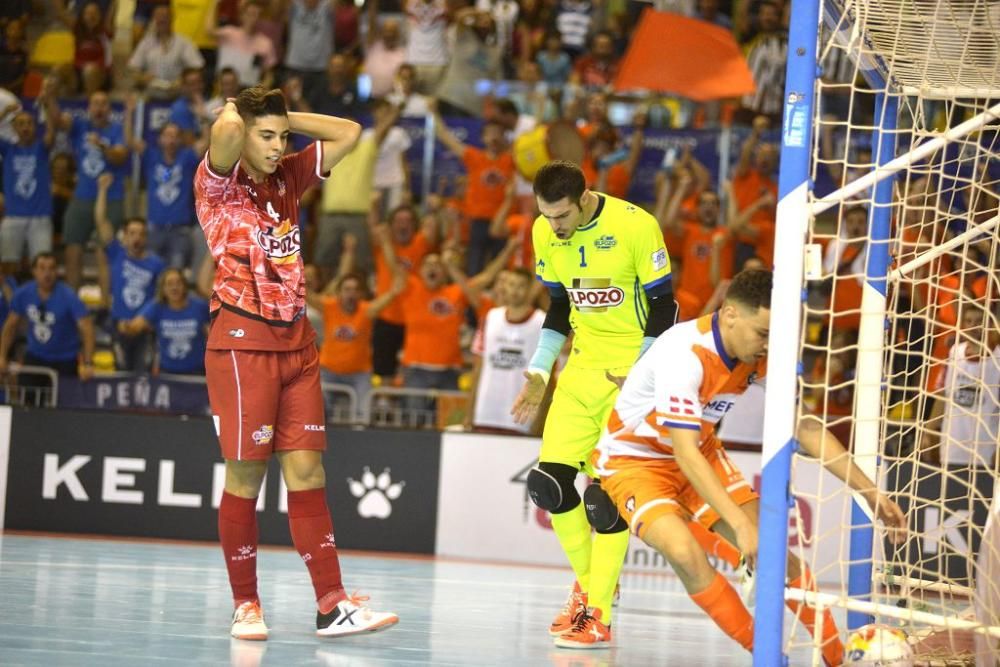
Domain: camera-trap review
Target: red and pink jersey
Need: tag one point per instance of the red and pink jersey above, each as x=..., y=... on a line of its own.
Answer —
x=258, y=300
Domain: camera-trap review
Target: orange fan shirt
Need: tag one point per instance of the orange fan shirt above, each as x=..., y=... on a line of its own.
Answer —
x=433, y=322
x=409, y=258
x=519, y=227
x=619, y=178
x=347, y=338
x=688, y=305
x=487, y=182
x=696, y=260
x=747, y=189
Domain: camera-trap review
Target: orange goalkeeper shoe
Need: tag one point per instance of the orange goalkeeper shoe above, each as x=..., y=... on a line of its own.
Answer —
x=576, y=604
x=587, y=633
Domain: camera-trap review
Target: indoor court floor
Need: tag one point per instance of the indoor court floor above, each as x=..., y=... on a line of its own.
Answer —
x=111, y=602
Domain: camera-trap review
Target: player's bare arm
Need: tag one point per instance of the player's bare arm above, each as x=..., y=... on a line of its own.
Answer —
x=339, y=135
x=822, y=445
x=698, y=471
x=226, y=139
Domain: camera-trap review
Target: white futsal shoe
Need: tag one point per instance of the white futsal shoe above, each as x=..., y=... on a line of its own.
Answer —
x=351, y=616
x=248, y=622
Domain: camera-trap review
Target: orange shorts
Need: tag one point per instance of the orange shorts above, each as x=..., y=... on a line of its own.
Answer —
x=646, y=489
x=264, y=402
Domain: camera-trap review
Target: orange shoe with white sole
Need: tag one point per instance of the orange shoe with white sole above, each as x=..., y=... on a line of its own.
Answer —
x=588, y=632
x=576, y=604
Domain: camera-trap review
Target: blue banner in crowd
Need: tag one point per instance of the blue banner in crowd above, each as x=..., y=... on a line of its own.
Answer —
x=140, y=393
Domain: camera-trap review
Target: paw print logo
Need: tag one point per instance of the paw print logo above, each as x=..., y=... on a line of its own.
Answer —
x=375, y=494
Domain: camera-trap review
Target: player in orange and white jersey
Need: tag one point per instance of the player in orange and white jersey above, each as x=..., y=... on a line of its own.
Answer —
x=662, y=465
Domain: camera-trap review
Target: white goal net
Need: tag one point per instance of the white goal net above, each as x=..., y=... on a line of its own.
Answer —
x=910, y=380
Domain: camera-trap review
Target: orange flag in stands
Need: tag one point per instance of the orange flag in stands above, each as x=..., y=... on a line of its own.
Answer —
x=670, y=53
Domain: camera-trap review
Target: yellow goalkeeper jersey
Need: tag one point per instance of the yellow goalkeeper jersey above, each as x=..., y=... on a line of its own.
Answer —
x=605, y=269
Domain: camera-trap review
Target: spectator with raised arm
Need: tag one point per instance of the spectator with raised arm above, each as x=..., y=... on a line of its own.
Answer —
x=346, y=201
x=754, y=195
x=244, y=47
x=60, y=330
x=310, y=39
x=179, y=320
x=474, y=57
x=409, y=245
x=609, y=166
x=489, y=170
x=706, y=253
x=189, y=111
x=434, y=310
x=348, y=321
x=99, y=146
x=385, y=53
x=27, y=197
x=766, y=54
x=168, y=171
x=426, y=41
x=392, y=173
x=162, y=56
x=503, y=345
x=131, y=280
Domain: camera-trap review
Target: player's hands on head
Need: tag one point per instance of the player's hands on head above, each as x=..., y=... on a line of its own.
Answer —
x=529, y=399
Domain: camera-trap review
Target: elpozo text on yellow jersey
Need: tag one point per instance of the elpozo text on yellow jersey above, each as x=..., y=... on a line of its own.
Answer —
x=605, y=268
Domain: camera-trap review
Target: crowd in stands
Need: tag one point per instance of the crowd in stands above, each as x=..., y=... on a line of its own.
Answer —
x=399, y=283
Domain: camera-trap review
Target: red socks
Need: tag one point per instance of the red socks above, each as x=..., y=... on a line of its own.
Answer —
x=238, y=535
x=312, y=532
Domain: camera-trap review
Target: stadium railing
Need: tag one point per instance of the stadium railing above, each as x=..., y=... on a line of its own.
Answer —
x=31, y=386
x=400, y=407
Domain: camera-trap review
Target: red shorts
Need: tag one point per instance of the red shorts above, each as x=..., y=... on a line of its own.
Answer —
x=646, y=489
x=264, y=402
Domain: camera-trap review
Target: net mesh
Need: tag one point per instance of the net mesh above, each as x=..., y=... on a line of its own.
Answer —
x=936, y=432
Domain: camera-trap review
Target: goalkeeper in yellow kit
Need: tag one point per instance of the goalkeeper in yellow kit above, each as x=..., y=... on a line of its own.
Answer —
x=608, y=274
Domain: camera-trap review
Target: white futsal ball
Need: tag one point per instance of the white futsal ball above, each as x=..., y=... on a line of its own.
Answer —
x=878, y=645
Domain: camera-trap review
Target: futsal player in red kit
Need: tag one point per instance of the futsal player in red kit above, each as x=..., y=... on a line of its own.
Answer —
x=261, y=361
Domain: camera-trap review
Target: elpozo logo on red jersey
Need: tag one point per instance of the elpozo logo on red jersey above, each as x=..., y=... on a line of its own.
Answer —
x=593, y=299
x=281, y=244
